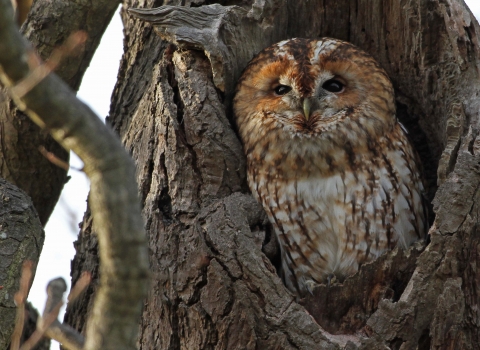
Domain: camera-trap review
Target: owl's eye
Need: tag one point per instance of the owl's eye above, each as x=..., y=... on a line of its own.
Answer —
x=333, y=85
x=282, y=90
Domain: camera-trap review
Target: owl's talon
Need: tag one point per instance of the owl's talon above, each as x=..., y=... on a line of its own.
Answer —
x=311, y=285
x=331, y=279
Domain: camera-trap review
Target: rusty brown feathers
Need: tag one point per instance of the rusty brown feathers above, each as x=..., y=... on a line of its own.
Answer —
x=327, y=158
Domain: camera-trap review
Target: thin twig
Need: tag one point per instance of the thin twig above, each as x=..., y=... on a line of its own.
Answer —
x=40, y=71
x=48, y=324
x=42, y=326
x=80, y=286
x=52, y=158
x=20, y=298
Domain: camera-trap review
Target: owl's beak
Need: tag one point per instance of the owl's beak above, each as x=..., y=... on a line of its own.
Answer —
x=306, y=108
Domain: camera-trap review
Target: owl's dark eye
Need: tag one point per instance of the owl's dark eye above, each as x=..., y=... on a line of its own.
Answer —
x=333, y=85
x=282, y=90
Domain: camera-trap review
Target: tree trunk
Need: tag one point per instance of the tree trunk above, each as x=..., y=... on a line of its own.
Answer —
x=21, y=239
x=212, y=286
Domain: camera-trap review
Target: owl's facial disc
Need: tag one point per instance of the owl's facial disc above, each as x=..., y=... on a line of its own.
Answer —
x=312, y=87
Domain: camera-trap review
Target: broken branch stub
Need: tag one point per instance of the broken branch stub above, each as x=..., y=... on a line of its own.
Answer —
x=63, y=333
x=229, y=35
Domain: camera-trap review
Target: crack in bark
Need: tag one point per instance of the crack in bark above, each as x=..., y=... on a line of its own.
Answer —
x=164, y=202
x=172, y=81
x=180, y=131
x=214, y=250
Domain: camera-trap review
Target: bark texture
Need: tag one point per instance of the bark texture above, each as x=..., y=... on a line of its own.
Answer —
x=213, y=288
x=21, y=239
x=49, y=25
x=51, y=104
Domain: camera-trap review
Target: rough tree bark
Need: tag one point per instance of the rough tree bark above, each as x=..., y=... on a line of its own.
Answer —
x=21, y=238
x=213, y=288
x=52, y=105
x=49, y=25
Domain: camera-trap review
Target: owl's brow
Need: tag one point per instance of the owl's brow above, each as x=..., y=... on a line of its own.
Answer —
x=301, y=50
x=249, y=87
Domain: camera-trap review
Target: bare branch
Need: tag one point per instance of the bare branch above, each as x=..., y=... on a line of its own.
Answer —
x=40, y=71
x=63, y=333
x=80, y=286
x=49, y=325
x=53, y=158
x=50, y=24
x=55, y=290
x=114, y=200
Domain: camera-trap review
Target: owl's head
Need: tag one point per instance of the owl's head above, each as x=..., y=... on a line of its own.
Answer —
x=301, y=88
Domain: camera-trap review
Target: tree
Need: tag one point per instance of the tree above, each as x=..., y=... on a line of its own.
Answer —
x=51, y=104
x=211, y=285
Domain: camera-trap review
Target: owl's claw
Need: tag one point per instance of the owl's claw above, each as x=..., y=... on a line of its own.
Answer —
x=311, y=285
x=331, y=279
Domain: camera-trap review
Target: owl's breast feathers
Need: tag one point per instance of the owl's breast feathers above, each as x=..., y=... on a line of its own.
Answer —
x=334, y=211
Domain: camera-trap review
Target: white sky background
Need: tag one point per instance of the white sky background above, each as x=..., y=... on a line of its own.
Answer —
x=62, y=228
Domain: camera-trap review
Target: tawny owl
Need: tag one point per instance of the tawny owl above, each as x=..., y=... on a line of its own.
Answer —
x=327, y=158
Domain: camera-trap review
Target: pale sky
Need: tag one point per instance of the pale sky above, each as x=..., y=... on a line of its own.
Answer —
x=62, y=228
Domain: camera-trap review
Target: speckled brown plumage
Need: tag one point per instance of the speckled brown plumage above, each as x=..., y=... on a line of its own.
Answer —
x=327, y=158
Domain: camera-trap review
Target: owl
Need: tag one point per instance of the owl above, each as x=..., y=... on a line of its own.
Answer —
x=327, y=158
